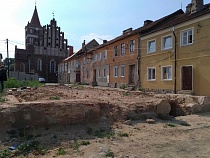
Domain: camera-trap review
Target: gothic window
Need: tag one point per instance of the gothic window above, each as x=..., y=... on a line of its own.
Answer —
x=39, y=65
x=52, y=66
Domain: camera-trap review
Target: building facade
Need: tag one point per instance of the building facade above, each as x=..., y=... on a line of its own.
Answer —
x=176, y=58
x=45, y=48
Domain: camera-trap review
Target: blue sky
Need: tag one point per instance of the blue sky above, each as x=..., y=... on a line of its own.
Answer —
x=81, y=19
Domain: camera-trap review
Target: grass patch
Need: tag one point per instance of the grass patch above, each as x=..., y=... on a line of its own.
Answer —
x=169, y=125
x=85, y=143
x=13, y=83
x=104, y=134
x=185, y=124
x=61, y=151
x=5, y=153
x=54, y=98
x=123, y=134
x=109, y=153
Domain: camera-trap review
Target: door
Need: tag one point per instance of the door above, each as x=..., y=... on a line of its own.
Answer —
x=132, y=74
x=186, y=72
x=94, y=76
x=78, y=77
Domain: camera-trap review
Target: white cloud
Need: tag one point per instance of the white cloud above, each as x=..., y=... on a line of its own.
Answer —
x=98, y=38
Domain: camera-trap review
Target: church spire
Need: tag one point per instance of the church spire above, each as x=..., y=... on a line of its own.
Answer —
x=35, y=18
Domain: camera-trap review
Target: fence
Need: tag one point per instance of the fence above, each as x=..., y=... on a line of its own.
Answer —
x=23, y=76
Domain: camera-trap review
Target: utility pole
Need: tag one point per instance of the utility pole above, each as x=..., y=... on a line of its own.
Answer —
x=7, y=58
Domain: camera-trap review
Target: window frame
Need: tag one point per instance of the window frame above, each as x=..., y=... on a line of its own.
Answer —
x=122, y=66
x=105, y=54
x=115, y=72
x=163, y=42
x=162, y=77
x=182, y=36
x=39, y=65
x=99, y=73
x=148, y=46
x=122, y=49
x=132, y=46
x=104, y=73
x=151, y=68
x=115, y=51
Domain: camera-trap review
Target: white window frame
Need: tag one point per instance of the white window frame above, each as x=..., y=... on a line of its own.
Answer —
x=99, y=73
x=69, y=67
x=170, y=74
x=104, y=73
x=122, y=73
x=105, y=54
x=122, y=49
x=99, y=56
x=95, y=57
x=115, y=71
x=148, y=46
x=148, y=74
x=164, y=47
x=132, y=46
x=187, y=37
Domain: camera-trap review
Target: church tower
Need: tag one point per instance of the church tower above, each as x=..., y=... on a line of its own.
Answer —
x=33, y=32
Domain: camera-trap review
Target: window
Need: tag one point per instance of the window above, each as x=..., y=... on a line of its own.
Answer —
x=187, y=37
x=115, y=71
x=132, y=45
x=39, y=65
x=104, y=73
x=95, y=57
x=88, y=59
x=52, y=66
x=151, y=74
x=167, y=42
x=167, y=73
x=105, y=54
x=99, y=56
x=122, y=49
x=122, y=70
x=115, y=50
x=69, y=67
x=99, y=73
x=151, y=46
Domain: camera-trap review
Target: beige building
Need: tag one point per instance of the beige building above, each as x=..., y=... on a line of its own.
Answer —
x=175, y=57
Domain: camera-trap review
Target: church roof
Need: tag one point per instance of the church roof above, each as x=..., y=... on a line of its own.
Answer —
x=35, y=19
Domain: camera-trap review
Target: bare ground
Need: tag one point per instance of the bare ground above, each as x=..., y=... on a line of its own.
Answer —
x=184, y=136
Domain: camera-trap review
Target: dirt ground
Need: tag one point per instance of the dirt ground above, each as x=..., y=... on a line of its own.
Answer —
x=184, y=136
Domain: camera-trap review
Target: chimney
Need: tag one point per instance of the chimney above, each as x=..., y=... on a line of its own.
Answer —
x=83, y=46
x=104, y=41
x=197, y=5
x=71, y=50
x=194, y=6
x=188, y=8
x=146, y=22
x=127, y=31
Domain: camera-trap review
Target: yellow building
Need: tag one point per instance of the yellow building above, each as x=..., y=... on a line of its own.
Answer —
x=175, y=55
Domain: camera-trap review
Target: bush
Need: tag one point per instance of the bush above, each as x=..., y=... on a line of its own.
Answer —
x=13, y=83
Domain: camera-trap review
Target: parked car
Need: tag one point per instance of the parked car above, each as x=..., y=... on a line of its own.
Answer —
x=41, y=80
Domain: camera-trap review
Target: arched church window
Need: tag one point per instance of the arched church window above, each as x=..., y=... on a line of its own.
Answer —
x=52, y=66
x=39, y=65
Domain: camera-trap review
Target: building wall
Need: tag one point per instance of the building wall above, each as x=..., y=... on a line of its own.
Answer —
x=195, y=55
x=126, y=60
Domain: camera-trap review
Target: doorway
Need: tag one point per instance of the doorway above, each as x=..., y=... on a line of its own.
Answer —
x=132, y=74
x=187, y=78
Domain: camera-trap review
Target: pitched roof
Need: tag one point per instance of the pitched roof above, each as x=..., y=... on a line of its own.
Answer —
x=145, y=28
x=178, y=19
x=93, y=43
x=35, y=19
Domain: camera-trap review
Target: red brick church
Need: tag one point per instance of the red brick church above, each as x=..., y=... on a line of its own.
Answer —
x=45, y=48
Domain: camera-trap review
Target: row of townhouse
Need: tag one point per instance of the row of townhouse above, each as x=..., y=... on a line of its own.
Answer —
x=171, y=54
